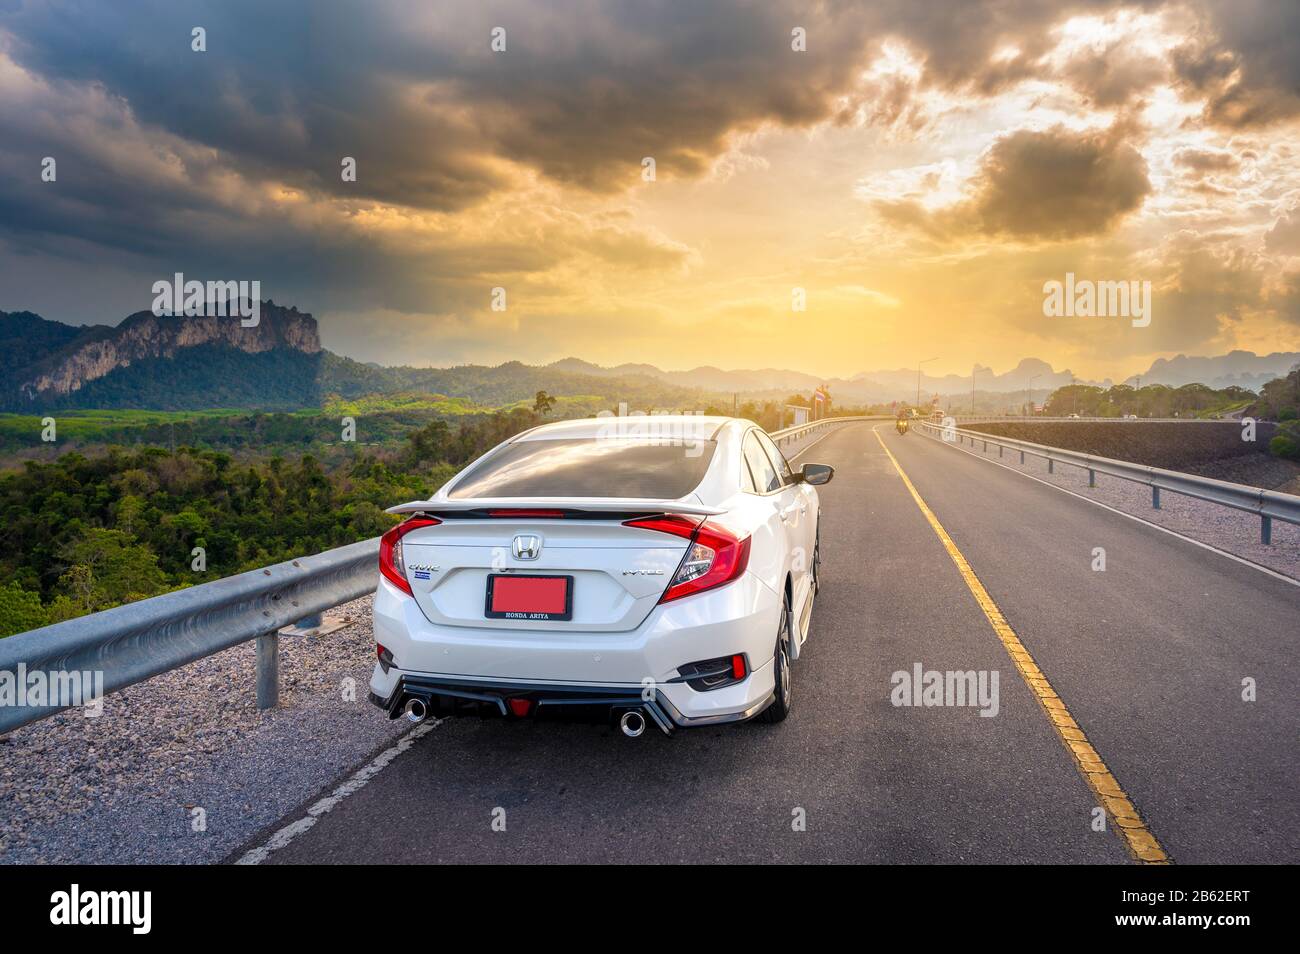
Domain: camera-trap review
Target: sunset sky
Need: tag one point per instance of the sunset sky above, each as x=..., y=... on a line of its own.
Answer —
x=920, y=170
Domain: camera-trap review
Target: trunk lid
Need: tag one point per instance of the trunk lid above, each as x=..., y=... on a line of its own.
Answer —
x=618, y=572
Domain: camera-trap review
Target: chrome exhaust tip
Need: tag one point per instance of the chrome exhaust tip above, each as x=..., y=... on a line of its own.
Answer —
x=416, y=711
x=632, y=723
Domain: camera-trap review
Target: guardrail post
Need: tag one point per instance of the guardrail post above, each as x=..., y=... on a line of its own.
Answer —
x=1092, y=477
x=1155, y=497
x=1265, y=529
x=1051, y=466
x=986, y=448
x=1022, y=457
x=1000, y=450
x=268, y=670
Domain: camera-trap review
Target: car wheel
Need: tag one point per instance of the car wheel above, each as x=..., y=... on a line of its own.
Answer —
x=780, y=707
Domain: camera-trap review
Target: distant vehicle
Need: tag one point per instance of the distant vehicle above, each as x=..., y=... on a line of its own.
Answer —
x=629, y=579
x=1073, y=415
x=1130, y=417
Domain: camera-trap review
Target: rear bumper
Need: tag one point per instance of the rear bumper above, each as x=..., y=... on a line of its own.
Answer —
x=500, y=662
x=458, y=696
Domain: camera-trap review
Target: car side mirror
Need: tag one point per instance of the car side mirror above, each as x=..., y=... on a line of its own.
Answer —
x=816, y=474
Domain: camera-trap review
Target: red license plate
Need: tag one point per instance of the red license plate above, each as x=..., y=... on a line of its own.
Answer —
x=529, y=597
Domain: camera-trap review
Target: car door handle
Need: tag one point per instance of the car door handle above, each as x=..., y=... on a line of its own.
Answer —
x=788, y=512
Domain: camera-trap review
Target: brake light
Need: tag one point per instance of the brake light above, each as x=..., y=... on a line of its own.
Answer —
x=715, y=555
x=520, y=512
x=391, y=564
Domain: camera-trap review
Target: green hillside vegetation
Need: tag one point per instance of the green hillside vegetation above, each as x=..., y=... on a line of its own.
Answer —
x=81, y=534
x=1279, y=400
x=1154, y=400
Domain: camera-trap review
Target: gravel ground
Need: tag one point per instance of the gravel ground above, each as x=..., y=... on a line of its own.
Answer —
x=123, y=788
x=1232, y=530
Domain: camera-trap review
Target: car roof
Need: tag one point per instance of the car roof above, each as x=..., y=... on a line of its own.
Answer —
x=633, y=427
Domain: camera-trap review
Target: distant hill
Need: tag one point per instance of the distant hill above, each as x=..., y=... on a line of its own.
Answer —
x=192, y=363
x=172, y=363
x=1244, y=369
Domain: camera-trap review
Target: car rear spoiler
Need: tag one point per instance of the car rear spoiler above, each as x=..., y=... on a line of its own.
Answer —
x=588, y=504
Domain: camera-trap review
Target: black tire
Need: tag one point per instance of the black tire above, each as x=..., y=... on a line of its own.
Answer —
x=780, y=707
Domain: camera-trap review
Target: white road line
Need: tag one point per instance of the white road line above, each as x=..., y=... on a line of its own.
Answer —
x=1155, y=526
x=353, y=785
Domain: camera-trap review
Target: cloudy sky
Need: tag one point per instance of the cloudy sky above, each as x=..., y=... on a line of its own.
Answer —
x=920, y=170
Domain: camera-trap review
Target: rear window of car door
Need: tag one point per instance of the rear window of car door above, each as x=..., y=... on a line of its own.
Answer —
x=778, y=459
x=765, y=475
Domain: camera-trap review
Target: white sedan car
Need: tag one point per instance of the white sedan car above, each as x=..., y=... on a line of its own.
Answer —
x=641, y=570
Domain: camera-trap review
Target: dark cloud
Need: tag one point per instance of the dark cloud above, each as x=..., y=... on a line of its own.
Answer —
x=1245, y=61
x=1286, y=300
x=1114, y=76
x=1041, y=186
x=1201, y=161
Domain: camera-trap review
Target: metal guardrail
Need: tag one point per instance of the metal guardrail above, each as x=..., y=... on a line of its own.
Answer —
x=1039, y=418
x=129, y=644
x=1268, y=505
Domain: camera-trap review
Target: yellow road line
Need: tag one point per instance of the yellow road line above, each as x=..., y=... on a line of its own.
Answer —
x=1119, y=808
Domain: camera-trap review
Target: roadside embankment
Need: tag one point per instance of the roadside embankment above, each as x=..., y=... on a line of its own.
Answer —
x=1206, y=448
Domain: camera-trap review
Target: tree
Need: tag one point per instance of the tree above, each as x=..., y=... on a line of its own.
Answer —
x=1279, y=399
x=20, y=610
x=108, y=567
x=1286, y=442
x=543, y=404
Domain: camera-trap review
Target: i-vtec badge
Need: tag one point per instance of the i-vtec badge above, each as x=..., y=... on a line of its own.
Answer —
x=526, y=546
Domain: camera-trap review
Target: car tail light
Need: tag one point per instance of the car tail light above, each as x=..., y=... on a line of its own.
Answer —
x=714, y=556
x=526, y=513
x=385, y=657
x=391, y=564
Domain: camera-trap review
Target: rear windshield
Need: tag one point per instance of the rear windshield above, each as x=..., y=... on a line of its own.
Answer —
x=589, y=467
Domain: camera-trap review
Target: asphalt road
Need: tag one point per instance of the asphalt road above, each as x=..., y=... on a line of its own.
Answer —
x=1148, y=655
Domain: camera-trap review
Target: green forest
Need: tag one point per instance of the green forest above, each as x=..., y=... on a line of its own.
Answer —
x=1279, y=401
x=83, y=533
